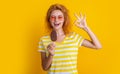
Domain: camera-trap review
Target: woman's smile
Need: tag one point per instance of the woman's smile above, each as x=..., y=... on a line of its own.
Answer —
x=56, y=24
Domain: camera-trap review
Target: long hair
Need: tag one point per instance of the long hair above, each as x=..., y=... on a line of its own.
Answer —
x=64, y=10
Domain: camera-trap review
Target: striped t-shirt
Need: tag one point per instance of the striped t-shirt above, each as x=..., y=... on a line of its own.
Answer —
x=65, y=58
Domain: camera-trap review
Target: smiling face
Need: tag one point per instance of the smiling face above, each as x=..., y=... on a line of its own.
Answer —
x=56, y=19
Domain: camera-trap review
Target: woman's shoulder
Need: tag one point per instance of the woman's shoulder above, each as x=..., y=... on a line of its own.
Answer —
x=73, y=34
x=44, y=37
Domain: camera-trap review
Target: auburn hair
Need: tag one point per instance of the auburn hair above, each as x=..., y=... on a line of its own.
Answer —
x=64, y=10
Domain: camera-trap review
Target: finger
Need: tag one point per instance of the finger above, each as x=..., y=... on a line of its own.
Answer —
x=75, y=22
x=53, y=43
x=48, y=48
x=50, y=44
x=77, y=25
x=76, y=16
x=84, y=17
x=52, y=48
x=81, y=15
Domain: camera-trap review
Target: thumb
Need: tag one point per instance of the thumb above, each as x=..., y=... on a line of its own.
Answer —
x=53, y=43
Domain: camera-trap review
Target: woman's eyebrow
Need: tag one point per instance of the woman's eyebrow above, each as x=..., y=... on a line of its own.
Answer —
x=60, y=15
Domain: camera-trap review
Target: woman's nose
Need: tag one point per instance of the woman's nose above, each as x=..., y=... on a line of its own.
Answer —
x=56, y=19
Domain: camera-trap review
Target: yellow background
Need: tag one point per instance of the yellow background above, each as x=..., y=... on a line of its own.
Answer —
x=22, y=24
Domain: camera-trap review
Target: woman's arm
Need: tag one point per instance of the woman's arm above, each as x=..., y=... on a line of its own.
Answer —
x=94, y=43
x=46, y=61
x=81, y=23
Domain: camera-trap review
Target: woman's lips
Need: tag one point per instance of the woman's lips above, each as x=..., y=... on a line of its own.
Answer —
x=56, y=24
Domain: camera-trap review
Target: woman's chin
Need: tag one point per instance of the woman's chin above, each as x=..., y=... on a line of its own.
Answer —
x=57, y=28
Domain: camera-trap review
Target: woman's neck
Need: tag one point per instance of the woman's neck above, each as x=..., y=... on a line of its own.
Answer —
x=60, y=32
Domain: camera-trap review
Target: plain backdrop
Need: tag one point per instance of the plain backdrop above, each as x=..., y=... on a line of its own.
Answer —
x=23, y=23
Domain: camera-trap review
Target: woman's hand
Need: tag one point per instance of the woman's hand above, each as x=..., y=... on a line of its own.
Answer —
x=94, y=42
x=81, y=21
x=51, y=48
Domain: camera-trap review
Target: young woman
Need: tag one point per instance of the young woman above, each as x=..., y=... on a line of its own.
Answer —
x=59, y=49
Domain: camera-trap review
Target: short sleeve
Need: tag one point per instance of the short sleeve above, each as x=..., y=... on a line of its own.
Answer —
x=41, y=47
x=80, y=40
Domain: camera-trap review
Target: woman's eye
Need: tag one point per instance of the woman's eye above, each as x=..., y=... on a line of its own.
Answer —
x=52, y=18
x=60, y=17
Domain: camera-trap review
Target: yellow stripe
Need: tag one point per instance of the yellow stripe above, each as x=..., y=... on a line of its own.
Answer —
x=75, y=55
x=70, y=70
x=66, y=50
x=64, y=60
x=80, y=41
x=65, y=65
x=67, y=47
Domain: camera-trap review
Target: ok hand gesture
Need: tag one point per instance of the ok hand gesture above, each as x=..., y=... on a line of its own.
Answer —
x=81, y=21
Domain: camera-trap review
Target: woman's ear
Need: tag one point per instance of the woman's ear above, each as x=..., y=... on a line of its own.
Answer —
x=53, y=35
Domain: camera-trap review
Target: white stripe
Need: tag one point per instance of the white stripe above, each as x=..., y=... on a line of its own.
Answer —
x=70, y=53
x=63, y=68
x=76, y=36
x=66, y=45
x=41, y=50
x=45, y=37
x=72, y=35
x=64, y=63
x=40, y=47
x=46, y=40
x=40, y=42
x=66, y=49
x=78, y=40
x=81, y=41
x=70, y=58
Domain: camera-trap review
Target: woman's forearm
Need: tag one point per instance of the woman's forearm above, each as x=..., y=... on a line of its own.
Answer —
x=47, y=62
x=94, y=39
